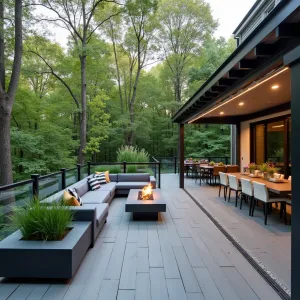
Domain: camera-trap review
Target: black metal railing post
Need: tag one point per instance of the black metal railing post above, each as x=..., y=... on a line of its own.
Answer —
x=175, y=164
x=63, y=178
x=35, y=185
x=89, y=168
x=124, y=166
x=226, y=160
x=78, y=172
x=159, y=175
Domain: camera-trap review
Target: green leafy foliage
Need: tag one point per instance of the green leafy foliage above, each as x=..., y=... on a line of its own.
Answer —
x=41, y=222
x=111, y=169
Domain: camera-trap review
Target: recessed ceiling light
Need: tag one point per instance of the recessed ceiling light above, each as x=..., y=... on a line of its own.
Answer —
x=275, y=87
x=241, y=103
x=221, y=112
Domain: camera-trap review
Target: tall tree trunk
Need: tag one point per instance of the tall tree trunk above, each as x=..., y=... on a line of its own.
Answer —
x=83, y=123
x=6, y=176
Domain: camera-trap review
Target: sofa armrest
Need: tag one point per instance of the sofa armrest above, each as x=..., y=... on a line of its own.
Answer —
x=84, y=214
x=153, y=182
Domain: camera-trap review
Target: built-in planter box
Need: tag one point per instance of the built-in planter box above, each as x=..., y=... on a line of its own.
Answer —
x=40, y=259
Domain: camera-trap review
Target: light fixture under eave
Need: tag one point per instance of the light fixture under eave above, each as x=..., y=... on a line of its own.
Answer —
x=221, y=112
x=277, y=126
x=275, y=87
x=242, y=93
x=241, y=103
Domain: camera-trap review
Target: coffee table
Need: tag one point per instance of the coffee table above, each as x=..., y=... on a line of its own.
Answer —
x=145, y=209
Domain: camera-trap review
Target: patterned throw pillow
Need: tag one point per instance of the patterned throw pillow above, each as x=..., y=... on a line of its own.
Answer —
x=100, y=177
x=74, y=194
x=94, y=184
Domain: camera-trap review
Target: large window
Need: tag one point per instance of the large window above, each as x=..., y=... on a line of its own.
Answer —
x=270, y=141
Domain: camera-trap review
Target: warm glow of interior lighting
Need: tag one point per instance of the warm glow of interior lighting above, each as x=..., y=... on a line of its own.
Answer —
x=277, y=126
x=221, y=112
x=242, y=93
x=275, y=87
x=241, y=103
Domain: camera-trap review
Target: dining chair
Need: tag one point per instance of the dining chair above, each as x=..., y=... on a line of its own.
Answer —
x=215, y=173
x=261, y=194
x=223, y=183
x=247, y=192
x=234, y=186
x=232, y=168
x=203, y=174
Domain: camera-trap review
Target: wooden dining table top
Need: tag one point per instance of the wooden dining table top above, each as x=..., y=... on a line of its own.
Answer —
x=275, y=187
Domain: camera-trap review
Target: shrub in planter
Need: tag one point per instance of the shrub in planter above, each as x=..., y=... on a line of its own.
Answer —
x=40, y=222
x=111, y=169
x=132, y=154
x=131, y=169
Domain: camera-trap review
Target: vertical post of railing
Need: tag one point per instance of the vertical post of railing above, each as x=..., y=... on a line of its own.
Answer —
x=35, y=185
x=155, y=170
x=159, y=175
x=226, y=160
x=78, y=172
x=63, y=178
x=124, y=166
x=175, y=164
x=89, y=168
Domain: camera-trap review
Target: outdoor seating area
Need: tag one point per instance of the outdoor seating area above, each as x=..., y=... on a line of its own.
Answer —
x=181, y=256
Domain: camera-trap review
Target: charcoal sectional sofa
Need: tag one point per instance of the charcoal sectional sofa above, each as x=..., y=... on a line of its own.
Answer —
x=96, y=203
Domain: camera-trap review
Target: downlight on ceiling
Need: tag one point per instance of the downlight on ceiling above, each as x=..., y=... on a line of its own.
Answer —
x=240, y=94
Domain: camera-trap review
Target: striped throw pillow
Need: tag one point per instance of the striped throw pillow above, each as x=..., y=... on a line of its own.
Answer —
x=100, y=177
x=94, y=184
x=74, y=194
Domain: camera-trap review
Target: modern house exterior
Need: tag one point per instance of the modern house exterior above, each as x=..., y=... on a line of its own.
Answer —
x=257, y=91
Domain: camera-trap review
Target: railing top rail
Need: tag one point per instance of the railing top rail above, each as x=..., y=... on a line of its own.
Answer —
x=72, y=169
x=127, y=163
x=50, y=175
x=14, y=185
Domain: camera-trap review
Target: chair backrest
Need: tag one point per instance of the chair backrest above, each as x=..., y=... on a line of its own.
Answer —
x=233, y=182
x=232, y=168
x=260, y=191
x=290, y=178
x=223, y=178
x=247, y=187
x=218, y=169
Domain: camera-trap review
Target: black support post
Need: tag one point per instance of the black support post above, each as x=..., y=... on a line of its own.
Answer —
x=78, y=172
x=181, y=156
x=35, y=185
x=293, y=60
x=89, y=168
x=159, y=175
x=175, y=164
x=63, y=178
x=124, y=166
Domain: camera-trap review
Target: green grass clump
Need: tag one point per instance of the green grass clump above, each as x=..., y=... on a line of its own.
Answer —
x=131, y=169
x=111, y=169
x=42, y=222
x=132, y=154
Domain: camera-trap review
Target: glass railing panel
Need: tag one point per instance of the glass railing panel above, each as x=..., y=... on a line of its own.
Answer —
x=49, y=185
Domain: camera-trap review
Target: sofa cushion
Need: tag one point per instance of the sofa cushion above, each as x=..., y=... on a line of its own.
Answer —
x=82, y=188
x=96, y=197
x=136, y=177
x=109, y=187
x=131, y=185
x=101, y=212
x=113, y=177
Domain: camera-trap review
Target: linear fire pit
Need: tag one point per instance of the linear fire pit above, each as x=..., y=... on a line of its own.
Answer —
x=145, y=209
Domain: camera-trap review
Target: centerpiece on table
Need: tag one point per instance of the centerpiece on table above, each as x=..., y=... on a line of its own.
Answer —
x=263, y=168
x=211, y=163
x=272, y=170
x=252, y=167
x=221, y=164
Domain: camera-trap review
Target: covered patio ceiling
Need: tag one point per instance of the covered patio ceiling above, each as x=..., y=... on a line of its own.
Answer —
x=248, y=75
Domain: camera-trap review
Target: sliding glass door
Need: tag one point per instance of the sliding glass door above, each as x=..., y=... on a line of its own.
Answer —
x=270, y=142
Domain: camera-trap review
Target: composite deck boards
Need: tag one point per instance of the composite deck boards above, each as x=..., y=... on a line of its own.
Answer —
x=183, y=256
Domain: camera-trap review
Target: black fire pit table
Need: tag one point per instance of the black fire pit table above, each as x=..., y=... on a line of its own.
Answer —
x=145, y=209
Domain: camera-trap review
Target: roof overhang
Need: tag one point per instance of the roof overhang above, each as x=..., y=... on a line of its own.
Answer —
x=258, y=57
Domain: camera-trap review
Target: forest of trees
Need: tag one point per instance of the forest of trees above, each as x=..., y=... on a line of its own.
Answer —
x=127, y=68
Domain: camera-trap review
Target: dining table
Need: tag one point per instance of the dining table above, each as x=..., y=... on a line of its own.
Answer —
x=281, y=188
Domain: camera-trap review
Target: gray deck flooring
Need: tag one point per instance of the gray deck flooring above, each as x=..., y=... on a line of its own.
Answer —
x=183, y=256
x=271, y=244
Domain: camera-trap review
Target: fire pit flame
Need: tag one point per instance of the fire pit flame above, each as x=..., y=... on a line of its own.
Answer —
x=147, y=193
